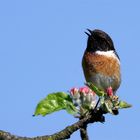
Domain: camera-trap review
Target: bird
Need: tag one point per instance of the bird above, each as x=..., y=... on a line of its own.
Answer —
x=100, y=62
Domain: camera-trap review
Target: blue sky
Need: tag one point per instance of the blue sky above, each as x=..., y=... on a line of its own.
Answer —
x=41, y=47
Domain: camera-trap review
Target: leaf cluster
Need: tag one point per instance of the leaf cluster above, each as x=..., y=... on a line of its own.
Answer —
x=62, y=101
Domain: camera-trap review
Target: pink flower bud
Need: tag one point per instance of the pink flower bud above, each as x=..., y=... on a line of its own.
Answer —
x=84, y=90
x=92, y=92
x=109, y=91
x=74, y=91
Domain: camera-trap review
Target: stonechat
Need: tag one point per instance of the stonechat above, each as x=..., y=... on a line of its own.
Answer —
x=101, y=63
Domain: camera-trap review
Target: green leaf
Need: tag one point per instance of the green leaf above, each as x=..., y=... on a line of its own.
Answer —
x=55, y=102
x=71, y=109
x=95, y=89
x=123, y=104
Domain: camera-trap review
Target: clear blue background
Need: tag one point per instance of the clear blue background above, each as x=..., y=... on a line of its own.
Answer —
x=41, y=47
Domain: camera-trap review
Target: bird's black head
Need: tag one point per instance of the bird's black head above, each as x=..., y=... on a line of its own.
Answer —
x=99, y=41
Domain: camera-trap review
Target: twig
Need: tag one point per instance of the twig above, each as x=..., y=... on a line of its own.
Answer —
x=64, y=134
x=84, y=133
x=97, y=104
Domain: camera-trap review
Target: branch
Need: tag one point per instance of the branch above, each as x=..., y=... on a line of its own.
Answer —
x=95, y=116
x=84, y=133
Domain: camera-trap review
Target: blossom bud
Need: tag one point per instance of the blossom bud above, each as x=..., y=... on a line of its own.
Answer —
x=109, y=91
x=74, y=91
x=88, y=97
x=75, y=96
x=84, y=97
x=84, y=90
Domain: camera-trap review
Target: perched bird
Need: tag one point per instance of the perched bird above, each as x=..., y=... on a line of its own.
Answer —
x=101, y=63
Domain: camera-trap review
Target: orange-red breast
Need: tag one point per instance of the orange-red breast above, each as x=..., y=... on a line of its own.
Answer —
x=101, y=63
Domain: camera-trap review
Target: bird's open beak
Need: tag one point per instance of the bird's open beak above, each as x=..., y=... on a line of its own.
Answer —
x=90, y=32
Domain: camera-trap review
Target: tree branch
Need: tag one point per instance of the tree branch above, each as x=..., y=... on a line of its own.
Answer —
x=95, y=116
x=84, y=133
